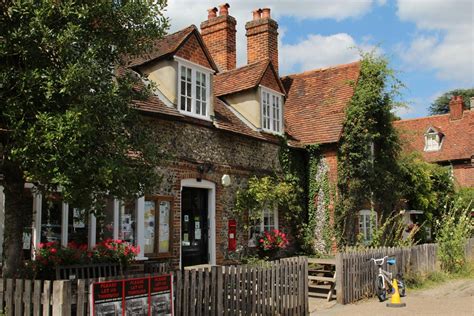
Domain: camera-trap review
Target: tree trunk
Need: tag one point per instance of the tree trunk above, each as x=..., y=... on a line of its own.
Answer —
x=16, y=212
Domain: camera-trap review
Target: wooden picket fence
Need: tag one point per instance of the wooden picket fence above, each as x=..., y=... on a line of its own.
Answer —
x=356, y=273
x=276, y=288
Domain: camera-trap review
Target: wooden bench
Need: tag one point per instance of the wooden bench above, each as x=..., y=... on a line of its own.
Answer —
x=157, y=267
x=88, y=271
x=322, y=276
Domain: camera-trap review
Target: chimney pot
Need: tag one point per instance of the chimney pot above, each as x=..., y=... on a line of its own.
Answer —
x=266, y=13
x=257, y=14
x=211, y=13
x=224, y=9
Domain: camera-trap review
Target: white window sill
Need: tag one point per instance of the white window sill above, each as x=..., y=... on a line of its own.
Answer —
x=200, y=117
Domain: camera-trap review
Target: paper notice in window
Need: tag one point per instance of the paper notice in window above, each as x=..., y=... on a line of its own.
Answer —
x=197, y=234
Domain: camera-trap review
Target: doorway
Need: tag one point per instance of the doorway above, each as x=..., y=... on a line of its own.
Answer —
x=194, y=226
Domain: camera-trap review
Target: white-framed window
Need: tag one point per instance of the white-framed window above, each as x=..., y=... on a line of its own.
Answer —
x=268, y=222
x=272, y=111
x=367, y=223
x=432, y=140
x=194, y=84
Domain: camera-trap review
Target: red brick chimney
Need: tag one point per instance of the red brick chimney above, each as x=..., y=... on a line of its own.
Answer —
x=262, y=37
x=218, y=33
x=455, y=108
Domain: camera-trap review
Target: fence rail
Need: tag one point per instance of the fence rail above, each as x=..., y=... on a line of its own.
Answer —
x=356, y=274
x=277, y=288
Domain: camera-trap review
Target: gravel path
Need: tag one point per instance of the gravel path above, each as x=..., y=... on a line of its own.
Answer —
x=451, y=298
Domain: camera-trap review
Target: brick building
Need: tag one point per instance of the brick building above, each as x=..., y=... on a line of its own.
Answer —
x=446, y=139
x=220, y=125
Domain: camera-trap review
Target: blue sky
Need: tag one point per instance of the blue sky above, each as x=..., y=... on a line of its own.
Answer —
x=429, y=42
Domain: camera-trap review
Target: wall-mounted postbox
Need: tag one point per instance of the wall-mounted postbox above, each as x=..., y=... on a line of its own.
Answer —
x=232, y=234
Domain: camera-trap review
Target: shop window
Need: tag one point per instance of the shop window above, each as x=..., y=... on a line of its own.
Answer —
x=158, y=225
x=78, y=226
x=128, y=222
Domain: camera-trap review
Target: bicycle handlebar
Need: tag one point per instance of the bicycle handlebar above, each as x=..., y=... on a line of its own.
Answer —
x=379, y=261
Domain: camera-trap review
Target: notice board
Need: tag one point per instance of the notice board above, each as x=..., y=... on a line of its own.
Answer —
x=138, y=296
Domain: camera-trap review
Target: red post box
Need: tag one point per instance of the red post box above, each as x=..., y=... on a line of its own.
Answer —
x=232, y=235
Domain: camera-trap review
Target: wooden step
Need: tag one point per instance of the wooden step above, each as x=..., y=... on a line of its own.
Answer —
x=321, y=278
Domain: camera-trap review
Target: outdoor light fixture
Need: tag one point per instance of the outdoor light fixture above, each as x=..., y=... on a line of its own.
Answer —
x=226, y=181
x=203, y=168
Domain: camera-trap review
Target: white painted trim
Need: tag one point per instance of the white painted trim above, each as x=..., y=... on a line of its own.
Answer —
x=36, y=229
x=211, y=214
x=209, y=99
x=92, y=231
x=271, y=90
x=116, y=219
x=191, y=64
x=64, y=223
x=281, y=109
x=140, y=227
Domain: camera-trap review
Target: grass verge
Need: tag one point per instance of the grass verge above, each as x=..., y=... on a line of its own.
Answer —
x=418, y=281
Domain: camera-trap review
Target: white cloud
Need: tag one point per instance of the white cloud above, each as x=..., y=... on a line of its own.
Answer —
x=185, y=12
x=444, y=40
x=318, y=51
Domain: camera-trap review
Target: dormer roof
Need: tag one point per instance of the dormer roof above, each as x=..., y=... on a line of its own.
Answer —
x=248, y=77
x=170, y=45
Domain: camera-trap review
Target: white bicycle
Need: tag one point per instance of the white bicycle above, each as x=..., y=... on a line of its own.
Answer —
x=384, y=279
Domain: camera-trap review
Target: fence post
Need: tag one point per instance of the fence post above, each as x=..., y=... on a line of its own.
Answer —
x=62, y=298
x=219, y=291
x=339, y=278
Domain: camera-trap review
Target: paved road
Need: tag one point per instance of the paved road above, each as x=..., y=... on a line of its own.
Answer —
x=452, y=298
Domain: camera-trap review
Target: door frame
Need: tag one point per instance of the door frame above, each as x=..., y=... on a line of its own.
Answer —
x=211, y=214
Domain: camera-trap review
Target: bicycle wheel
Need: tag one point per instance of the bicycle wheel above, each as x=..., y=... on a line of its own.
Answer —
x=380, y=289
x=401, y=285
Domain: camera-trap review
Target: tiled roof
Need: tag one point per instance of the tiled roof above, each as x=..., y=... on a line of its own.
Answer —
x=163, y=47
x=314, y=109
x=458, y=139
x=241, y=79
x=224, y=118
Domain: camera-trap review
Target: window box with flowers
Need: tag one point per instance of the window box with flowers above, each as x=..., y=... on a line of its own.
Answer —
x=51, y=255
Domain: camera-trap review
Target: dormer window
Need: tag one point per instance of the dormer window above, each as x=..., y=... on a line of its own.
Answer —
x=432, y=140
x=193, y=89
x=272, y=111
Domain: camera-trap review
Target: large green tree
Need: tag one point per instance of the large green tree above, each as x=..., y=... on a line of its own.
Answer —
x=367, y=157
x=67, y=118
x=441, y=104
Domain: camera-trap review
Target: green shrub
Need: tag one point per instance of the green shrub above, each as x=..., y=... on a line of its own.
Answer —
x=454, y=229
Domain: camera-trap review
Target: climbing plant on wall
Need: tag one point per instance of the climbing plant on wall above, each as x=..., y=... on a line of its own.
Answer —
x=367, y=157
x=319, y=230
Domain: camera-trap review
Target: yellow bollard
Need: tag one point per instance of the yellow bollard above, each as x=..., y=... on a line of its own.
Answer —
x=395, y=299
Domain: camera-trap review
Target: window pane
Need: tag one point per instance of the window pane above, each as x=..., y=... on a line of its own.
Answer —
x=150, y=216
x=164, y=228
x=198, y=107
x=127, y=222
x=105, y=222
x=51, y=219
x=78, y=228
